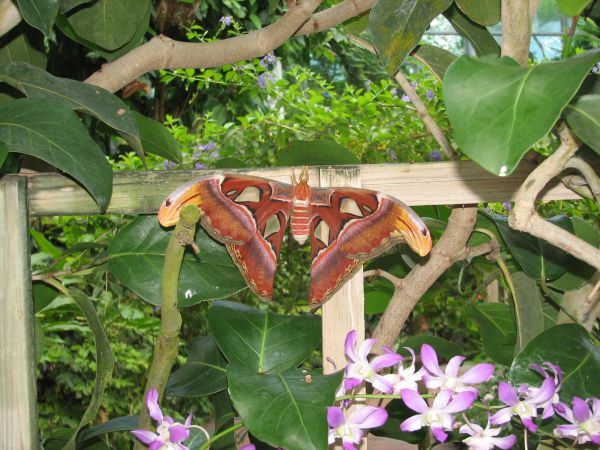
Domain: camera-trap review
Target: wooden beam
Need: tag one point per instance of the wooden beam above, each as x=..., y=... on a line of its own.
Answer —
x=18, y=408
x=439, y=183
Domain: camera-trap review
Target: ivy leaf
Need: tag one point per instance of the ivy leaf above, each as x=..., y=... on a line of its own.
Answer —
x=283, y=409
x=261, y=340
x=398, y=25
x=53, y=133
x=137, y=256
x=93, y=100
x=495, y=108
x=39, y=14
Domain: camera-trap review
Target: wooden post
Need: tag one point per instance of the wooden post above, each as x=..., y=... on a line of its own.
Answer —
x=345, y=310
x=18, y=408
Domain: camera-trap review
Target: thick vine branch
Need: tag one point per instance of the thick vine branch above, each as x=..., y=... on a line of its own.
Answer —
x=524, y=217
x=588, y=174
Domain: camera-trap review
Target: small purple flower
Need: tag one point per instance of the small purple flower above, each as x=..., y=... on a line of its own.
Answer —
x=430, y=94
x=326, y=94
x=414, y=83
x=449, y=379
x=225, y=20
x=523, y=403
x=351, y=430
x=392, y=155
x=368, y=85
x=360, y=369
x=199, y=166
x=169, y=434
x=438, y=416
x=405, y=378
x=507, y=205
x=596, y=68
x=394, y=91
x=405, y=98
x=248, y=447
x=485, y=439
x=434, y=155
x=214, y=155
x=262, y=79
x=210, y=146
x=268, y=59
x=196, y=155
x=584, y=418
x=169, y=164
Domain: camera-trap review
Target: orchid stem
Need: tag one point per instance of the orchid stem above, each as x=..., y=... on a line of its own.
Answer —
x=165, y=349
x=218, y=436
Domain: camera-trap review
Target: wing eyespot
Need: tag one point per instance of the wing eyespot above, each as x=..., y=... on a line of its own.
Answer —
x=168, y=202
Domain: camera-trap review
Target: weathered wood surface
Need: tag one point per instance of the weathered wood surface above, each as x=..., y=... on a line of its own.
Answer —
x=18, y=408
x=440, y=183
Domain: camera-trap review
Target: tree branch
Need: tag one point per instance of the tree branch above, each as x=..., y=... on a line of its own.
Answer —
x=335, y=15
x=10, y=16
x=517, y=16
x=588, y=173
x=524, y=217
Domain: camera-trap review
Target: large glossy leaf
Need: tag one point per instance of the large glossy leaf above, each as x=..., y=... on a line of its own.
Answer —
x=482, y=40
x=529, y=313
x=124, y=423
x=535, y=255
x=67, y=5
x=224, y=416
x=578, y=272
x=156, y=139
x=92, y=100
x=261, y=340
x=23, y=48
x=314, y=153
x=202, y=374
x=43, y=294
x=570, y=347
x=53, y=133
x=572, y=7
x=435, y=58
x=137, y=258
x=583, y=113
x=443, y=347
x=283, y=409
x=109, y=24
x=39, y=13
x=104, y=362
x=397, y=27
x=484, y=12
x=495, y=108
x=498, y=330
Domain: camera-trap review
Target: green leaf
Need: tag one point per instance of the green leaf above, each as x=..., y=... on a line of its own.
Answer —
x=435, y=58
x=156, y=139
x=109, y=24
x=44, y=245
x=398, y=412
x=67, y=5
x=495, y=108
x=43, y=294
x=570, y=347
x=377, y=296
x=315, y=153
x=398, y=25
x=583, y=113
x=357, y=24
x=498, y=330
x=39, y=14
x=443, y=347
x=482, y=40
x=104, y=362
x=92, y=100
x=578, y=272
x=230, y=163
x=224, y=415
x=202, y=374
x=282, y=409
x=484, y=12
x=529, y=314
x=23, y=48
x=261, y=340
x=535, y=255
x=53, y=133
x=137, y=256
x=125, y=423
x=572, y=7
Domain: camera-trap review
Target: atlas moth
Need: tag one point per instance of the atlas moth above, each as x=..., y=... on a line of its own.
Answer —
x=346, y=226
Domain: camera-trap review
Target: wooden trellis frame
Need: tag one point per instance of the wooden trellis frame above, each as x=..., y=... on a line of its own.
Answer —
x=443, y=183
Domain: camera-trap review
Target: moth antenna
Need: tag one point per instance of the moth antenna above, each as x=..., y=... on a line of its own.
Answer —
x=304, y=174
x=294, y=182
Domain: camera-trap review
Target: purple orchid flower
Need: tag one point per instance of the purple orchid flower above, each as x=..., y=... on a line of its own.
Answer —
x=523, y=403
x=169, y=434
x=360, y=369
x=556, y=374
x=351, y=430
x=248, y=447
x=405, y=378
x=485, y=439
x=449, y=379
x=585, y=421
x=438, y=416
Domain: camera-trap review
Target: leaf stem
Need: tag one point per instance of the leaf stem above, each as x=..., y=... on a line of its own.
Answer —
x=218, y=436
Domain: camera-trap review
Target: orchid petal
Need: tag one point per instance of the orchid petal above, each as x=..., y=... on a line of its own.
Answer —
x=414, y=401
x=430, y=360
x=441, y=399
x=387, y=360
x=178, y=433
x=581, y=410
x=348, y=445
x=439, y=434
x=470, y=428
x=368, y=417
x=478, y=374
x=144, y=435
x=501, y=417
x=461, y=402
x=507, y=394
x=365, y=348
x=505, y=442
x=152, y=405
x=545, y=392
x=412, y=423
x=350, y=346
x=596, y=439
x=188, y=420
x=248, y=447
x=335, y=416
x=351, y=383
x=453, y=365
x=382, y=384
x=156, y=445
x=529, y=424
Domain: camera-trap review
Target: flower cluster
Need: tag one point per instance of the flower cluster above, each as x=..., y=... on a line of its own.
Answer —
x=451, y=390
